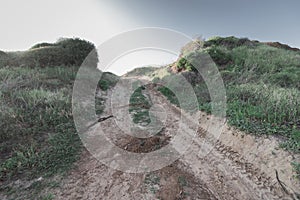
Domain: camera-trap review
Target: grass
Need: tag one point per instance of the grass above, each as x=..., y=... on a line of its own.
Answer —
x=37, y=133
x=38, y=137
x=297, y=168
x=169, y=94
x=107, y=81
x=139, y=107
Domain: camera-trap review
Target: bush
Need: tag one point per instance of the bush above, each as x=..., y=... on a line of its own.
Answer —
x=77, y=50
x=108, y=80
x=184, y=65
x=229, y=42
x=39, y=45
x=219, y=55
x=65, y=52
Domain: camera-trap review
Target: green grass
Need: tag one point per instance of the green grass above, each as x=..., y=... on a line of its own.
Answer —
x=264, y=109
x=296, y=166
x=38, y=137
x=139, y=107
x=37, y=131
x=169, y=94
x=107, y=81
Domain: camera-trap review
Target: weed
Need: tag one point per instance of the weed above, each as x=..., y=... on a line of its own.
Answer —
x=169, y=94
x=139, y=107
x=108, y=80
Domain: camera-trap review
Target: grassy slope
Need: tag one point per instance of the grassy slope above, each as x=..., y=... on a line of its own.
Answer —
x=262, y=84
x=37, y=133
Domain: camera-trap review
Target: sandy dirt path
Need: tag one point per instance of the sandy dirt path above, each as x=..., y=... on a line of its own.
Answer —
x=238, y=166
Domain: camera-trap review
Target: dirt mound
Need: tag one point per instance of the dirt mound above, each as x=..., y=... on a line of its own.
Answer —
x=143, y=145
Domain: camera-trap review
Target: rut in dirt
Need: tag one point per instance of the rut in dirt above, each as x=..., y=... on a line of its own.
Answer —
x=223, y=173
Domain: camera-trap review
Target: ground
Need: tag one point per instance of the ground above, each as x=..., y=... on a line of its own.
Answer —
x=238, y=166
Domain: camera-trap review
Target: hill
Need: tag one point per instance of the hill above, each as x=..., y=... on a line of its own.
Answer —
x=262, y=82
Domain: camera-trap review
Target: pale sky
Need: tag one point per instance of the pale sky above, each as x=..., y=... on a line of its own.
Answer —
x=25, y=23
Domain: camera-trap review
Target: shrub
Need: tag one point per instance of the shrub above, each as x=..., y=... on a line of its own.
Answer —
x=39, y=45
x=77, y=50
x=107, y=81
x=229, y=42
x=65, y=52
x=219, y=55
x=184, y=65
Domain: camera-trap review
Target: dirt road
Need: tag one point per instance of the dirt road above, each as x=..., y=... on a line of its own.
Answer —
x=238, y=166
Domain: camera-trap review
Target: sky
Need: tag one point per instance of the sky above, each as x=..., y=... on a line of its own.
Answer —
x=25, y=23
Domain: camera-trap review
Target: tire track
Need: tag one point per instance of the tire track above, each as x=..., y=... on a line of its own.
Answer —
x=229, y=174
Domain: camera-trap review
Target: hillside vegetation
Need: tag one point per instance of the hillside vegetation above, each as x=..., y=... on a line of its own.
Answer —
x=37, y=133
x=262, y=83
x=64, y=52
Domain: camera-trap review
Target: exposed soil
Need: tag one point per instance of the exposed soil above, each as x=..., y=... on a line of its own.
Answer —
x=239, y=166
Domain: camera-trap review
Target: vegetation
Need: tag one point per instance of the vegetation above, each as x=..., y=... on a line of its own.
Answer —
x=65, y=52
x=107, y=81
x=139, y=107
x=169, y=94
x=37, y=133
x=38, y=137
x=262, y=83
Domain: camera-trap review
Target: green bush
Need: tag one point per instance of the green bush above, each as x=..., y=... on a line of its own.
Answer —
x=219, y=55
x=183, y=64
x=108, y=80
x=44, y=44
x=65, y=52
x=229, y=42
x=77, y=50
